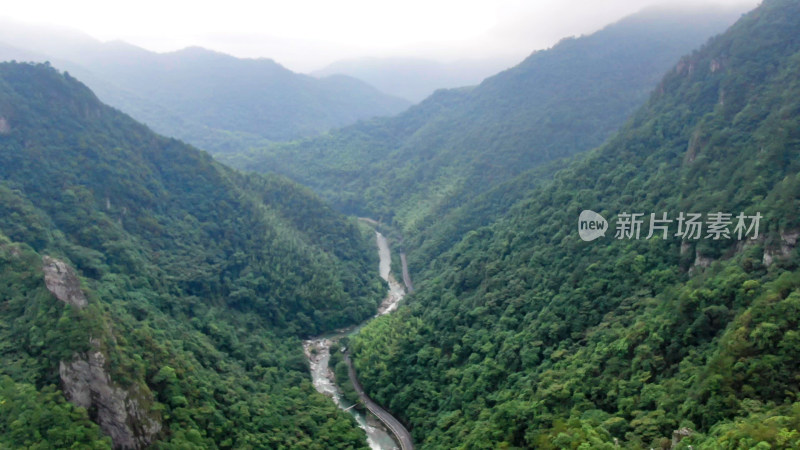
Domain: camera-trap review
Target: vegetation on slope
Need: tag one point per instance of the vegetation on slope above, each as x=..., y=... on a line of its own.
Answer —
x=415, y=167
x=523, y=335
x=200, y=280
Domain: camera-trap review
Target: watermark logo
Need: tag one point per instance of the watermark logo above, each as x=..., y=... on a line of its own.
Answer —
x=591, y=225
x=691, y=226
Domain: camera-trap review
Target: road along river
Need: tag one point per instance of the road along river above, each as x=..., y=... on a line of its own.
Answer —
x=317, y=351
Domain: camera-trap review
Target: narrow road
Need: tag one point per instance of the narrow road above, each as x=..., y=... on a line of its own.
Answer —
x=397, y=428
x=317, y=351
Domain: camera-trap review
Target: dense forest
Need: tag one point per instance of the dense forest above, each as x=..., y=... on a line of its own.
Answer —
x=198, y=282
x=415, y=167
x=152, y=297
x=523, y=335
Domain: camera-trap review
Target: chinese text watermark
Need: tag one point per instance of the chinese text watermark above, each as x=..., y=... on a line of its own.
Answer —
x=688, y=226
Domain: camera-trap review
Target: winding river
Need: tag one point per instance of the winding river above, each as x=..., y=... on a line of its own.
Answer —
x=317, y=351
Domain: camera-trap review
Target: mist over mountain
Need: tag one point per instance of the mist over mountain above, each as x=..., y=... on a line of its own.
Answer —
x=414, y=78
x=215, y=101
x=412, y=168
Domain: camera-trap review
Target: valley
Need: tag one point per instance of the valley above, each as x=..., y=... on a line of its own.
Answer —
x=318, y=349
x=326, y=266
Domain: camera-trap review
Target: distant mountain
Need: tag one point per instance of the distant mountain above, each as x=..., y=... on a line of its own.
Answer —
x=412, y=168
x=162, y=292
x=414, y=78
x=215, y=101
x=522, y=335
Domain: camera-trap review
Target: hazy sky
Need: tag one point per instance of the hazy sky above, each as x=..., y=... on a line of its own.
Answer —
x=308, y=34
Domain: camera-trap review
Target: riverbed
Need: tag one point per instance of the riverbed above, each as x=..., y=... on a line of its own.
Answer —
x=317, y=351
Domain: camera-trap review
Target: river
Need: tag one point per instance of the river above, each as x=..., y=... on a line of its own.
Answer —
x=317, y=351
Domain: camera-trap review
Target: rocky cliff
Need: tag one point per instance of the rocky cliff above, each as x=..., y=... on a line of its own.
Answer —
x=122, y=413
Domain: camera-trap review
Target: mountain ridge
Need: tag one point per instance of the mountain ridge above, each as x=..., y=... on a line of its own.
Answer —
x=199, y=283
x=554, y=104
x=215, y=101
x=415, y=79
x=531, y=337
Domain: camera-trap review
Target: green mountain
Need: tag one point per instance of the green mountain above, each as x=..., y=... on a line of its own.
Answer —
x=212, y=100
x=413, y=168
x=522, y=335
x=161, y=293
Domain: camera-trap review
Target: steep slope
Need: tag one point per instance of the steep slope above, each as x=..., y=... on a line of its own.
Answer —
x=164, y=293
x=458, y=143
x=524, y=335
x=210, y=99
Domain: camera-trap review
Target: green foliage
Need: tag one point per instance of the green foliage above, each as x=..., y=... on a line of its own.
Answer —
x=522, y=335
x=36, y=330
x=770, y=427
x=200, y=280
x=42, y=419
x=340, y=371
x=412, y=169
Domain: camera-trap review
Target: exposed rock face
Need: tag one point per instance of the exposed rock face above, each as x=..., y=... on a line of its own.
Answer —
x=119, y=412
x=62, y=281
x=788, y=243
x=695, y=143
x=702, y=261
x=678, y=435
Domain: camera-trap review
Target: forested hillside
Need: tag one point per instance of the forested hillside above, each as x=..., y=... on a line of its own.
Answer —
x=212, y=100
x=161, y=291
x=412, y=168
x=524, y=335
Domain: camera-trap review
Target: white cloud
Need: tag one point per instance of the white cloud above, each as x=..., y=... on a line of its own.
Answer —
x=307, y=34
